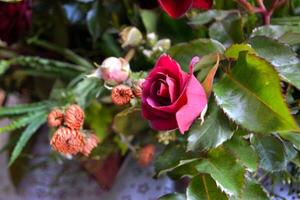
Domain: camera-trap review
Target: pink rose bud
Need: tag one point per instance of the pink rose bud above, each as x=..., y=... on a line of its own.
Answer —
x=114, y=70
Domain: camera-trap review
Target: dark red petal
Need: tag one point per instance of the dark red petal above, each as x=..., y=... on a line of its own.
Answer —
x=175, y=8
x=203, y=4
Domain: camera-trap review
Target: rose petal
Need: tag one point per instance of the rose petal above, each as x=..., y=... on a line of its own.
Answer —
x=196, y=102
x=175, y=8
x=164, y=124
x=172, y=88
x=203, y=4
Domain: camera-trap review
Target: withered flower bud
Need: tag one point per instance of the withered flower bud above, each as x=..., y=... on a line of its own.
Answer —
x=74, y=117
x=67, y=141
x=121, y=95
x=91, y=141
x=146, y=155
x=138, y=88
x=55, y=118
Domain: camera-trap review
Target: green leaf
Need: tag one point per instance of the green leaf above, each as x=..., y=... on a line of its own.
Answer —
x=149, y=19
x=18, y=123
x=95, y=20
x=280, y=56
x=4, y=65
x=274, y=154
x=234, y=50
x=173, y=157
x=93, y=113
x=184, y=52
x=214, y=131
x=173, y=197
x=87, y=90
x=228, y=30
x=37, y=121
x=123, y=122
x=186, y=170
x=203, y=187
x=285, y=34
x=252, y=191
x=208, y=16
x=67, y=53
x=225, y=170
x=251, y=95
x=292, y=137
x=24, y=108
x=243, y=151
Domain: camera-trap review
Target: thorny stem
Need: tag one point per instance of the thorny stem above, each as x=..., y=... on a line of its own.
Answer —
x=266, y=13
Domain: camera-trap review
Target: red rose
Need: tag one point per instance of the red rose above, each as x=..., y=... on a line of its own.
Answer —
x=172, y=98
x=15, y=19
x=177, y=8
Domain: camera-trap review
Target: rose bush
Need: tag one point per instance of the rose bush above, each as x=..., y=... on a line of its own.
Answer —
x=172, y=98
x=176, y=9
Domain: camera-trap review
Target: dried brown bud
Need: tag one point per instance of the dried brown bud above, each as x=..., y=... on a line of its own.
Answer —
x=55, y=118
x=91, y=141
x=67, y=141
x=146, y=155
x=121, y=95
x=74, y=117
x=138, y=88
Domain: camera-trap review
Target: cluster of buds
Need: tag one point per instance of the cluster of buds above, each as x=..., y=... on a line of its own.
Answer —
x=69, y=139
x=166, y=137
x=157, y=46
x=122, y=94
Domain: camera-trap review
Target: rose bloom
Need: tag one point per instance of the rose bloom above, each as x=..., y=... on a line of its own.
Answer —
x=15, y=19
x=177, y=8
x=172, y=98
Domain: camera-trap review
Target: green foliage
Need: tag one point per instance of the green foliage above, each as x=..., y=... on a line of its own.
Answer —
x=285, y=34
x=24, y=108
x=36, y=122
x=184, y=52
x=227, y=171
x=274, y=154
x=18, y=123
x=215, y=130
x=242, y=150
x=173, y=157
x=251, y=191
x=173, y=197
x=280, y=56
x=123, y=122
x=203, y=187
x=250, y=94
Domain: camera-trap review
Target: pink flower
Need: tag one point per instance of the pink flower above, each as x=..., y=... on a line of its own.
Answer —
x=15, y=19
x=177, y=8
x=172, y=98
x=115, y=70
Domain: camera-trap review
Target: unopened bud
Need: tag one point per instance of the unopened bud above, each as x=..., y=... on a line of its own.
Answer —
x=138, y=88
x=131, y=37
x=162, y=45
x=114, y=70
